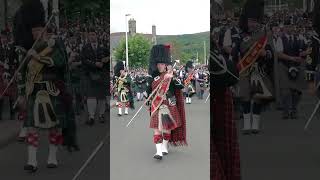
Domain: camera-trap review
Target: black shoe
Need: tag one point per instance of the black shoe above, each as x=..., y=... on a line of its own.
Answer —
x=30, y=168
x=21, y=139
x=90, y=122
x=76, y=147
x=246, y=132
x=102, y=120
x=285, y=115
x=158, y=157
x=52, y=166
x=255, y=131
x=293, y=115
x=119, y=115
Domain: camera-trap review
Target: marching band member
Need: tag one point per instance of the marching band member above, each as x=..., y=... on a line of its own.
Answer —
x=291, y=52
x=189, y=81
x=255, y=67
x=45, y=89
x=168, y=119
x=313, y=64
x=224, y=145
x=93, y=55
x=123, y=88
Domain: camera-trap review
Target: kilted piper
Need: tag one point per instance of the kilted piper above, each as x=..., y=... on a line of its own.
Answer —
x=94, y=61
x=44, y=71
x=167, y=105
x=189, y=81
x=224, y=145
x=255, y=65
x=123, y=89
x=313, y=66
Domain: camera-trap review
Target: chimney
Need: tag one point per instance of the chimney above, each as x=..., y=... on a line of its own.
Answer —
x=132, y=27
x=154, y=35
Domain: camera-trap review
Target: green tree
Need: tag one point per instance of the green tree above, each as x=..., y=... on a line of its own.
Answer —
x=176, y=52
x=138, y=51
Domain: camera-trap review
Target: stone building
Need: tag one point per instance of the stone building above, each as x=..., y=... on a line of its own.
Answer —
x=116, y=37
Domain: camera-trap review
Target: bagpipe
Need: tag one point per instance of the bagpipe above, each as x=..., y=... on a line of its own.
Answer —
x=226, y=72
x=157, y=95
x=260, y=84
x=313, y=60
x=122, y=89
x=26, y=58
x=188, y=84
x=187, y=81
x=223, y=72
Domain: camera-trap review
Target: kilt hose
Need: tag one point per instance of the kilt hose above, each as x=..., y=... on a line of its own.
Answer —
x=224, y=146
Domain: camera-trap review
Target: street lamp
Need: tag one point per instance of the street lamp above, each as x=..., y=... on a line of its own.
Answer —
x=127, y=56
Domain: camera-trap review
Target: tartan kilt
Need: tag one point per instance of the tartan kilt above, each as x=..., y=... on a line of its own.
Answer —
x=59, y=106
x=224, y=152
x=154, y=122
x=216, y=170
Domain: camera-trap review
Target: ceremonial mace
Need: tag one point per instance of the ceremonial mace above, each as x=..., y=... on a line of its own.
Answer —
x=96, y=150
x=314, y=111
x=224, y=69
x=207, y=98
x=54, y=13
x=144, y=103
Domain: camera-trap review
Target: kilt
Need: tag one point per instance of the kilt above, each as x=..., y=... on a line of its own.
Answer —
x=140, y=88
x=244, y=88
x=224, y=152
x=179, y=133
x=154, y=122
x=216, y=170
x=60, y=108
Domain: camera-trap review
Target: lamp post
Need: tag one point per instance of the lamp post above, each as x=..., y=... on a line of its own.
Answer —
x=127, y=56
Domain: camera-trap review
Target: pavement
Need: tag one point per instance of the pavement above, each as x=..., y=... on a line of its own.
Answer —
x=9, y=129
x=13, y=154
x=283, y=150
x=132, y=148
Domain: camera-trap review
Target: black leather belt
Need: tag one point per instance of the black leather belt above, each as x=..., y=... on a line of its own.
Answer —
x=39, y=87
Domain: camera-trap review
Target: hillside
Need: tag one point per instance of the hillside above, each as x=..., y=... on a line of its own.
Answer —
x=185, y=47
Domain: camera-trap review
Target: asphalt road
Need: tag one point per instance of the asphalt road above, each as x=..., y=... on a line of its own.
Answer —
x=284, y=150
x=132, y=148
x=13, y=157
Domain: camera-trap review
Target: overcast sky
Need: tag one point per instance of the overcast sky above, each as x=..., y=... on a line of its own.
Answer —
x=171, y=17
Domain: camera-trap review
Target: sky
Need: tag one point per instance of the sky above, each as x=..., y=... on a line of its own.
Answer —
x=171, y=17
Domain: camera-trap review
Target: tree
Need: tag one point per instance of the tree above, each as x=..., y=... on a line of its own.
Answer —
x=176, y=52
x=138, y=51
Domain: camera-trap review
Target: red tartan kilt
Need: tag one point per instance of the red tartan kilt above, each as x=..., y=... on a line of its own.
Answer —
x=154, y=122
x=216, y=170
x=225, y=160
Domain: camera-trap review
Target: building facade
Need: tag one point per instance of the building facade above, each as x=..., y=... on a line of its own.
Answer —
x=115, y=38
